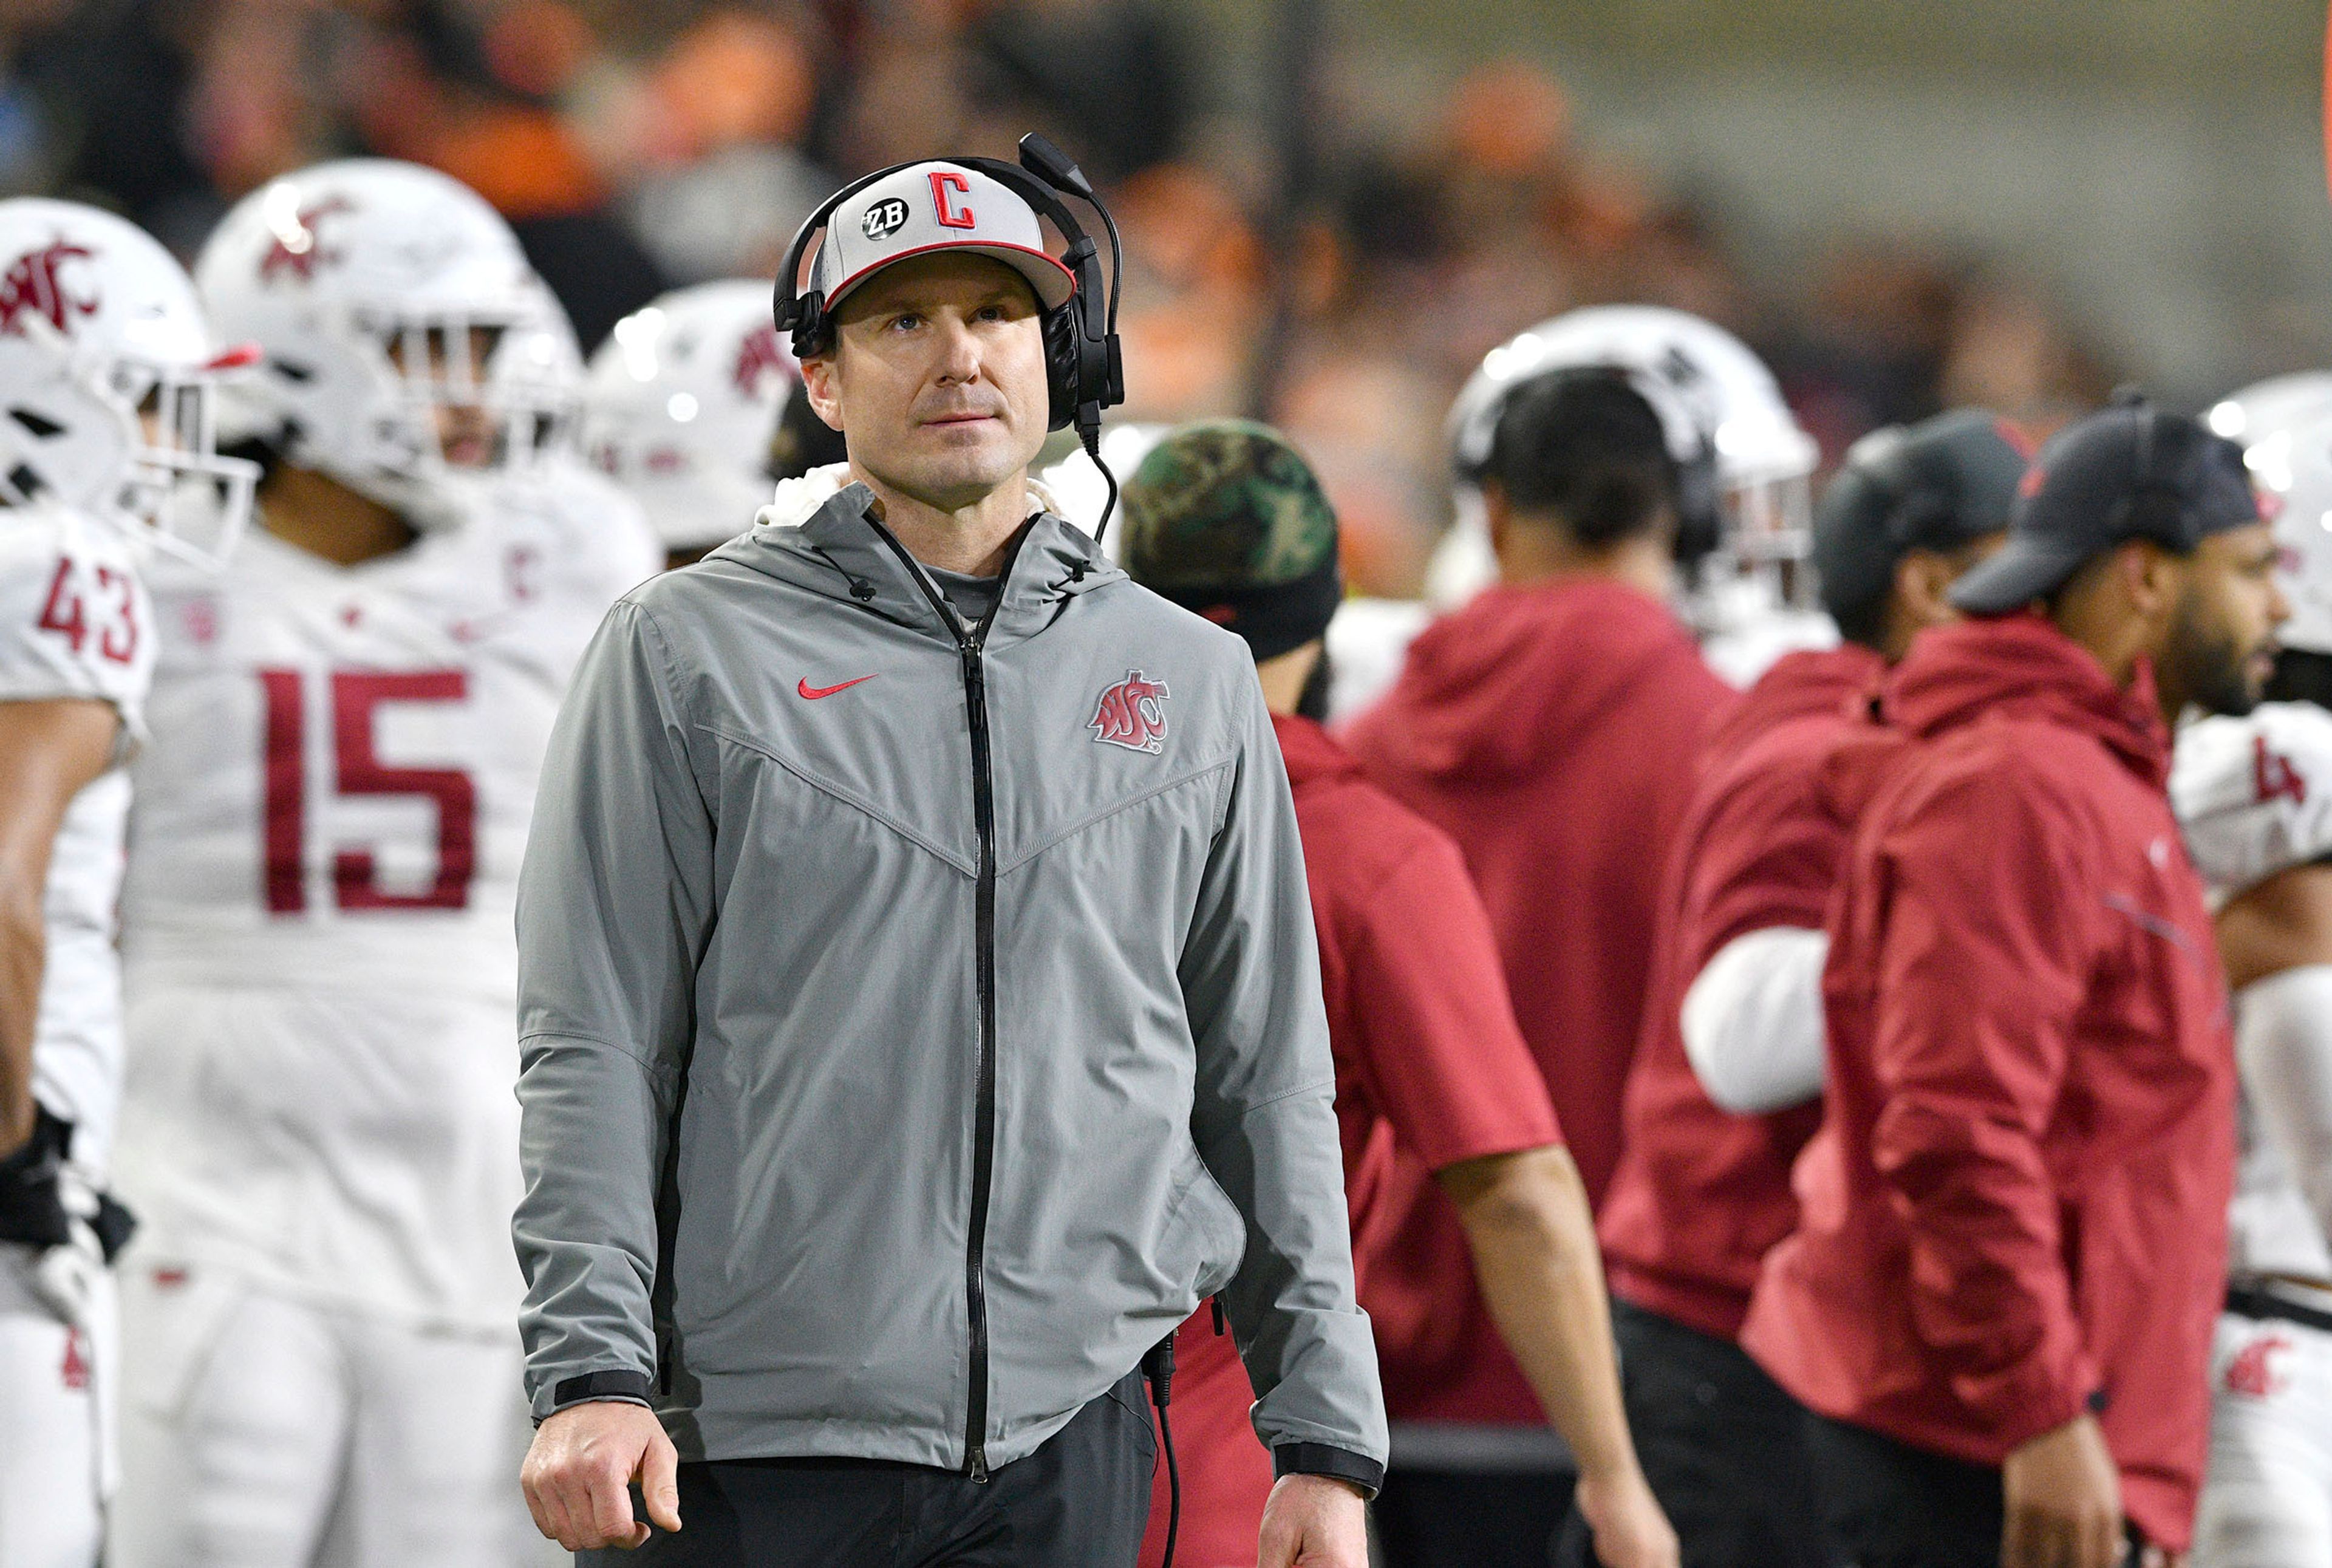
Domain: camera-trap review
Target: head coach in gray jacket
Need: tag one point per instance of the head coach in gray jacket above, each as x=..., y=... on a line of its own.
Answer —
x=919, y=1009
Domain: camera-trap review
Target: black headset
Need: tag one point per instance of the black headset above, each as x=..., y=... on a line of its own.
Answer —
x=1085, y=367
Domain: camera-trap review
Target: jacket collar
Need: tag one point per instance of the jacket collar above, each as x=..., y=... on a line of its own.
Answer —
x=1309, y=751
x=822, y=532
x=1843, y=680
x=2021, y=666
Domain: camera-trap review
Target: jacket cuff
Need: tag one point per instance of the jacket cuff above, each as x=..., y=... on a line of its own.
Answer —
x=2037, y=1396
x=1325, y=1460
x=631, y=1388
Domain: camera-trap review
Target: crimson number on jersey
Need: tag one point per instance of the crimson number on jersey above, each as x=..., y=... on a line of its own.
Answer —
x=113, y=623
x=356, y=695
x=2273, y=776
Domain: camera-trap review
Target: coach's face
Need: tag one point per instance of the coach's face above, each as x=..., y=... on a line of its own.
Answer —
x=937, y=378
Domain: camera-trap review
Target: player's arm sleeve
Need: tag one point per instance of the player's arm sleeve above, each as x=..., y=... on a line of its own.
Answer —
x=1984, y=955
x=75, y=620
x=1753, y=1020
x=1757, y=876
x=1264, y=1124
x=2283, y=1040
x=2253, y=795
x=1439, y=1051
x=615, y=904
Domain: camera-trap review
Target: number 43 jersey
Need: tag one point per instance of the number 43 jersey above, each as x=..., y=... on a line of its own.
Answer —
x=75, y=623
x=317, y=920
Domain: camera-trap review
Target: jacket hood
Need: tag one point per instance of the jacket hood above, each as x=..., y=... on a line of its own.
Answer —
x=2020, y=666
x=1495, y=688
x=1818, y=681
x=823, y=531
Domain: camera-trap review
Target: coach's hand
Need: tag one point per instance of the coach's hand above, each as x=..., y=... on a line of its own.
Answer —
x=2063, y=1499
x=579, y=1474
x=1314, y=1522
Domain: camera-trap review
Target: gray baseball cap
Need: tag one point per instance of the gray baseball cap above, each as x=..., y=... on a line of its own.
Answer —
x=933, y=207
x=1940, y=484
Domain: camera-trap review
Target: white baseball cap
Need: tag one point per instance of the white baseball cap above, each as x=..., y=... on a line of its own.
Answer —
x=933, y=207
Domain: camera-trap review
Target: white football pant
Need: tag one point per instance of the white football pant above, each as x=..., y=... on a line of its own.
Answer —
x=56, y=1360
x=2266, y=1498
x=263, y=1431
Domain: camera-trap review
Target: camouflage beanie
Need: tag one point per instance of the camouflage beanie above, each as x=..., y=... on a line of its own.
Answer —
x=1225, y=519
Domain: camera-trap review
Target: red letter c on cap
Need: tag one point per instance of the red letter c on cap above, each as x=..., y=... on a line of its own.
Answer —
x=943, y=180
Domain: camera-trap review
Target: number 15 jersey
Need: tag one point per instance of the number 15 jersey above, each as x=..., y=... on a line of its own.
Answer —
x=320, y=966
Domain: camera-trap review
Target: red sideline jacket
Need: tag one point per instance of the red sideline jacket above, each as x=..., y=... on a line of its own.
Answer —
x=2016, y=1207
x=1553, y=730
x=1430, y=1071
x=1701, y=1193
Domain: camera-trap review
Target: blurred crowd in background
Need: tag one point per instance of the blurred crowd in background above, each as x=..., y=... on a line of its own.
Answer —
x=1309, y=265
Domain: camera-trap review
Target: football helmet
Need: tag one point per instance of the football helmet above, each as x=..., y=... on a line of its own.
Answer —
x=109, y=379
x=386, y=299
x=681, y=404
x=1740, y=452
x=2285, y=428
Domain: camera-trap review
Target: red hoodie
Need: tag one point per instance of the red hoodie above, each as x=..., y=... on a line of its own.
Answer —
x=1701, y=1193
x=1553, y=731
x=2016, y=1207
x=1430, y=1071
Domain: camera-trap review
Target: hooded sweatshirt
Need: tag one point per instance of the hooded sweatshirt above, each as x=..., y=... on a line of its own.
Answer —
x=918, y=1019
x=2016, y=1208
x=1553, y=731
x=1702, y=1193
x=1430, y=1071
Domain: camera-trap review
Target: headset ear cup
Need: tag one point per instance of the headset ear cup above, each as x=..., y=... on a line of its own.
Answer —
x=1062, y=364
x=809, y=326
x=1700, y=512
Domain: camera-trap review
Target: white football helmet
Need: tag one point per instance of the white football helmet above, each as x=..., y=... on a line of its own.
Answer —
x=2285, y=428
x=372, y=288
x=680, y=405
x=1723, y=413
x=108, y=376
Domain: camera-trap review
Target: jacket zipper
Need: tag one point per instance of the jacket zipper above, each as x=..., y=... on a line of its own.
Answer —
x=970, y=644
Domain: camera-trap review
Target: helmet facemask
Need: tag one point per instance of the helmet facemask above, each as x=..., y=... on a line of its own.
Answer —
x=1766, y=540
x=130, y=439
x=492, y=384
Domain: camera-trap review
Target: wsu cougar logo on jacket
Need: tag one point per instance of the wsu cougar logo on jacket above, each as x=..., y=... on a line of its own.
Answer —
x=1132, y=714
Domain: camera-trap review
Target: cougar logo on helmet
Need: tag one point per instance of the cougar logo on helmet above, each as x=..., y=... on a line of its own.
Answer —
x=756, y=356
x=1132, y=714
x=32, y=284
x=300, y=250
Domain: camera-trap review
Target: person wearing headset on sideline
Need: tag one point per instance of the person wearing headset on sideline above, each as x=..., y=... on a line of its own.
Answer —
x=919, y=1005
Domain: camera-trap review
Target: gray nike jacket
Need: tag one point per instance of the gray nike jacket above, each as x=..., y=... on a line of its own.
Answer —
x=920, y=1018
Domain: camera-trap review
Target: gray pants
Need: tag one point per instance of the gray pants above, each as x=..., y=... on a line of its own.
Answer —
x=1081, y=1501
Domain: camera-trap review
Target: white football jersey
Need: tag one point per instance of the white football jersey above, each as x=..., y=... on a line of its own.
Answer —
x=2254, y=797
x=75, y=622
x=316, y=922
